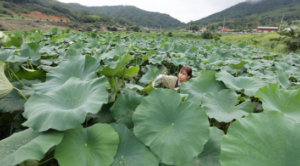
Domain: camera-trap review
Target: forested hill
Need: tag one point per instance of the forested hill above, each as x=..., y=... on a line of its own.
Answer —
x=135, y=15
x=56, y=8
x=260, y=12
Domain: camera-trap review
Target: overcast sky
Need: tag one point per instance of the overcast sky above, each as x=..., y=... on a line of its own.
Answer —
x=183, y=10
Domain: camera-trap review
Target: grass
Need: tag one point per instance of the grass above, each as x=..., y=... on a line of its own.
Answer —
x=261, y=40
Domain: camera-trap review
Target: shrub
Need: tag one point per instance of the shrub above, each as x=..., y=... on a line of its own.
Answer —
x=217, y=36
x=207, y=35
x=89, y=28
x=6, y=5
x=112, y=28
x=170, y=34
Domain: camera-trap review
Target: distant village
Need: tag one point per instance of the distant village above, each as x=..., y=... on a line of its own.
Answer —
x=259, y=29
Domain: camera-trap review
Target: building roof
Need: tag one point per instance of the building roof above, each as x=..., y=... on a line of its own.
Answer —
x=267, y=27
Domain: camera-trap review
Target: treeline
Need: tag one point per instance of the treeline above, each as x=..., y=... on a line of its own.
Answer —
x=52, y=7
x=136, y=15
x=263, y=13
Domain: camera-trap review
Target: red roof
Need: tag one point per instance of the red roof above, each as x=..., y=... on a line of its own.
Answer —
x=225, y=30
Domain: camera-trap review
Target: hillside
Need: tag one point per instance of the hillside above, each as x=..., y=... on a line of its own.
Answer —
x=52, y=8
x=253, y=13
x=136, y=15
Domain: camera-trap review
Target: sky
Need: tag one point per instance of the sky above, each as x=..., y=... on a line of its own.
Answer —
x=183, y=10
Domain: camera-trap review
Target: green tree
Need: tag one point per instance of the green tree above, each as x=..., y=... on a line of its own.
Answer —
x=195, y=27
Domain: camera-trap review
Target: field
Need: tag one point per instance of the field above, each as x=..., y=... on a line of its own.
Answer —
x=263, y=41
x=87, y=99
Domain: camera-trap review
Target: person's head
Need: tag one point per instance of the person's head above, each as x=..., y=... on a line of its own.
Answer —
x=185, y=74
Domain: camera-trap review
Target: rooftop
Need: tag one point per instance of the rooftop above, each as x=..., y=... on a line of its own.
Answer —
x=260, y=27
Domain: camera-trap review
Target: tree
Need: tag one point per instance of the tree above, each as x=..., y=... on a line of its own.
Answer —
x=195, y=27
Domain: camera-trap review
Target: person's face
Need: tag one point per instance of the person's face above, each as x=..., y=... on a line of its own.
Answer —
x=183, y=76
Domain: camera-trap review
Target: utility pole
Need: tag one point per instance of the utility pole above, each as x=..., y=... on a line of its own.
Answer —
x=224, y=25
x=281, y=22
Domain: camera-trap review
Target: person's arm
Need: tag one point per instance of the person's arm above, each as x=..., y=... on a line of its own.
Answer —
x=159, y=77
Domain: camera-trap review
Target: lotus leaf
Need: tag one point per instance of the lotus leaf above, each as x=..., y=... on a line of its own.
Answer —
x=6, y=87
x=222, y=106
x=276, y=99
x=124, y=107
x=198, y=87
x=96, y=145
x=83, y=67
x=131, y=151
x=264, y=139
x=27, y=144
x=175, y=131
x=112, y=70
x=67, y=106
x=250, y=85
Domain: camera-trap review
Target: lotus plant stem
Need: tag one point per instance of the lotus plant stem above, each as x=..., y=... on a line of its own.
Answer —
x=31, y=65
x=46, y=160
x=256, y=105
x=86, y=122
x=236, y=74
x=16, y=77
x=21, y=93
x=25, y=163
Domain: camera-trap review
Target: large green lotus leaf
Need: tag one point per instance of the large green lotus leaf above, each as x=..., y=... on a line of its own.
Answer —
x=212, y=150
x=250, y=85
x=30, y=50
x=6, y=87
x=264, y=139
x=66, y=107
x=128, y=73
x=124, y=107
x=157, y=59
x=119, y=51
x=175, y=131
x=287, y=68
x=6, y=55
x=96, y=145
x=131, y=151
x=104, y=115
x=27, y=144
x=283, y=79
x=198, y=87
x=236, y=64
x=79, y=46
x=15, y=39
x=276, y=99
x=179, y=61
x=150, y=75
x=111, y=71
x=83, y=67
x=223, y=107
x=13, y=101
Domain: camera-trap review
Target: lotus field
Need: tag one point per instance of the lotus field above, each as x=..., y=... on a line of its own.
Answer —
x=86, y=99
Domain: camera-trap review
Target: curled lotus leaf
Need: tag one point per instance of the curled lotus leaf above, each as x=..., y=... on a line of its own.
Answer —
x=27, y=144
x=259, y=139
x=175, y=131
x=250, y=85
x=83, y=67
x=6, y=87
x=275, y=99
x=223, y=107
x=66, y=107
x=95, y=145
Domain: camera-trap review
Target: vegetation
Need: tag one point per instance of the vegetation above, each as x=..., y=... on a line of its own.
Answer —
x=250, y=14
x=135, y=15
x=273, y=42
x=65, y=94
x=56, y=8
x=291, y=39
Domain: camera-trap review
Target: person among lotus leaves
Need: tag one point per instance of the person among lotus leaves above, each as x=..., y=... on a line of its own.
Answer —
x=173, y=82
